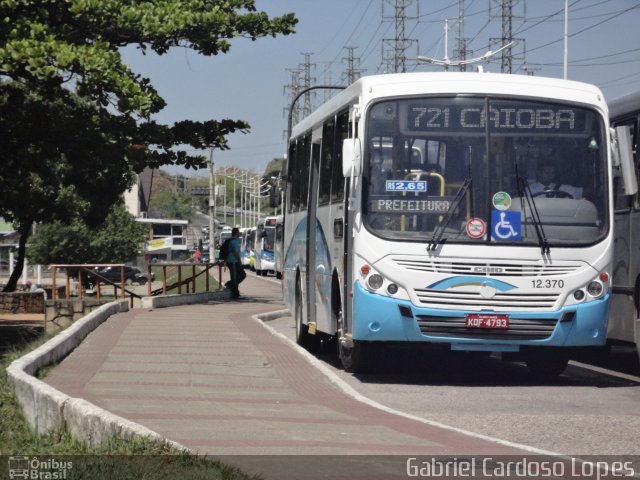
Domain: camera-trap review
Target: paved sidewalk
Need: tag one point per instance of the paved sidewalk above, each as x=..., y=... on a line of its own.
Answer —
x=218, y=381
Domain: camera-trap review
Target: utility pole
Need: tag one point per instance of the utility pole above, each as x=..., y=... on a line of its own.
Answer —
x=565, y=62
x=461, y=51
x=397, y=61
x=212, y=225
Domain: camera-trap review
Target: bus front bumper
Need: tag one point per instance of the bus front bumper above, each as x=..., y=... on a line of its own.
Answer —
x=385, y=319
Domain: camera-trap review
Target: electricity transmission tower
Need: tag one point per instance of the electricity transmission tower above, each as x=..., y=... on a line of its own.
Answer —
x=306, y=81
x=352, y=73
x=294, y=88
x=395, y=54
x=461, y=52
x=506, y=15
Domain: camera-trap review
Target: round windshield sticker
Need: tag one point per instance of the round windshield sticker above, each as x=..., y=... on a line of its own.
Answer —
x=476, y=228
x=501, y=201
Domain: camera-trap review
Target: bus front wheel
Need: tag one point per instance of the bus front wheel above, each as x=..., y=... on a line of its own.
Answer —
x=355, y=358
x=354, y=355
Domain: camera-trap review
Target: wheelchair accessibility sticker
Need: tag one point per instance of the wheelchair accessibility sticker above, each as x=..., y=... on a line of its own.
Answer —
x=506, y=226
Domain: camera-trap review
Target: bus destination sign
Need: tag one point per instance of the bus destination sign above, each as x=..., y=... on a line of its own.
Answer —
x=385, y=204
x=505, y=117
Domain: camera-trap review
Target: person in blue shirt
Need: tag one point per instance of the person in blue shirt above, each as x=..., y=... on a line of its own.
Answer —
x=234, y=263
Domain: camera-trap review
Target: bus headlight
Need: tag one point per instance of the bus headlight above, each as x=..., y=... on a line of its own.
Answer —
x=375, y=281
x=595, y=289
x=392, y=288
x=578, y=295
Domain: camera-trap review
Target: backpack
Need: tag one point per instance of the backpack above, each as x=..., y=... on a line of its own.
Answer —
x=224, y=250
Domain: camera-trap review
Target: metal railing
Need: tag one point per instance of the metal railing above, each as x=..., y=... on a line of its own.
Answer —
x=88, y=274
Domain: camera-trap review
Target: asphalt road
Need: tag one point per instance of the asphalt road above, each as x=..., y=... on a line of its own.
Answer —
x=588, y=410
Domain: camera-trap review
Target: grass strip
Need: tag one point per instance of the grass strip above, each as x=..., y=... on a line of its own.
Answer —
x=115, y=459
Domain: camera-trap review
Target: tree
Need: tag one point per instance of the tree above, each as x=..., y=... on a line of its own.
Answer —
x=76, y=121
x=116, y=240
x=168, y=205
x=274, y=169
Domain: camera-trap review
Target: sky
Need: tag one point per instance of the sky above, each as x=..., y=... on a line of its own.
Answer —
x=248, y=83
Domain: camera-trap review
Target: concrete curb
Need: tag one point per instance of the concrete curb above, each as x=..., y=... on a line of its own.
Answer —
x=47, y=409
x=44, y=407
x=183, y=299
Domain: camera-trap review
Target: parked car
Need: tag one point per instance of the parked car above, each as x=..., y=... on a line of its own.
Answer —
x=143, y=276
x=131, y=275
x=4, y=264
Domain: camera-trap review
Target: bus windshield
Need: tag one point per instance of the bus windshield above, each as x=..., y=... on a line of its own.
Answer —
x=445, y=170
x=269, y=238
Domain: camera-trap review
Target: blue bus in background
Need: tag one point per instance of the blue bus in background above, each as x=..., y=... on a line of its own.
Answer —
x=265, y=235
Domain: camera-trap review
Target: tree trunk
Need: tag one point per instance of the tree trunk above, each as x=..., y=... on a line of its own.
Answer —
x=24, y=231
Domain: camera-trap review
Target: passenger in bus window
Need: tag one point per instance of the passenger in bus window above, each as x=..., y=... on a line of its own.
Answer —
x=377, y=176
x=547, y=183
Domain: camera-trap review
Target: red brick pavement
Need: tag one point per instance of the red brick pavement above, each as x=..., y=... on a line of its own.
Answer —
x=215, y=380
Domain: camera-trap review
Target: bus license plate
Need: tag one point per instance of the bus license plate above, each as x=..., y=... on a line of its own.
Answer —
x=486, y=320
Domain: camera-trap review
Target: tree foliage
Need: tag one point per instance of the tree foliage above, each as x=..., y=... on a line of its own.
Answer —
x=76, y=122
x=116, y=240
x=168, y=205
x=274, y=169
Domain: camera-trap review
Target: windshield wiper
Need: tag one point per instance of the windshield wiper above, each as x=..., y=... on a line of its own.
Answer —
x=442, y=225
x=523, y=187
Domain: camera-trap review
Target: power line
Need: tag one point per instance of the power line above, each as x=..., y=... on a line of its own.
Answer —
x=586, y=28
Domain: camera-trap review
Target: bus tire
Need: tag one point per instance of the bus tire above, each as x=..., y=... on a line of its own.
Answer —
x=548, y=363
x=303, y=337
x=355, y=356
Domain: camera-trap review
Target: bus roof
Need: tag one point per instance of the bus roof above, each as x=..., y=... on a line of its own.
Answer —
x=452, y=83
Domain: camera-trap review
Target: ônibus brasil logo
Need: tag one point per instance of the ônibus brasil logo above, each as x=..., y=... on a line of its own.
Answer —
x=38, y=469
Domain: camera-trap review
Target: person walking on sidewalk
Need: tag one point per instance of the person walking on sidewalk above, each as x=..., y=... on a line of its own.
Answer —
x=234, y=263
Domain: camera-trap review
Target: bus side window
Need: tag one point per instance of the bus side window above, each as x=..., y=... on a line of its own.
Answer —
x=341, y=132
x=326, y=162
x=292, y=171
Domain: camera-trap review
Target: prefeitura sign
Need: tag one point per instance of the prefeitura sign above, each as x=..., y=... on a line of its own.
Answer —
x=382, y=204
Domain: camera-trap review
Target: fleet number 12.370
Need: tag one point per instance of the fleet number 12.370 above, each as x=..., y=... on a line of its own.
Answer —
x=547, y=283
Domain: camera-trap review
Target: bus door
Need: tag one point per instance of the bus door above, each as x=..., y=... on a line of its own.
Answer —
x=626, y=229
x=311, y=232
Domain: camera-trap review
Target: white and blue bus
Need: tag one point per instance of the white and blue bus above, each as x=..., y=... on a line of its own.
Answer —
x=264, y=243
x=278, y=248
x=624, y=321
x=247, y=237
x=422, y=222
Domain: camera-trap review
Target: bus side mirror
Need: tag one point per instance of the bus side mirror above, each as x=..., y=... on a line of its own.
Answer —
x=274, y=198
x=351, y=157
x=623, y=150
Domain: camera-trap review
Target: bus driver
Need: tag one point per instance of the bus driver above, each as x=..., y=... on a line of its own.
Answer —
x=546, y=183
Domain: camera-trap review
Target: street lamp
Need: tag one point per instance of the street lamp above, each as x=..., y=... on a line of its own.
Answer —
x=212, y=208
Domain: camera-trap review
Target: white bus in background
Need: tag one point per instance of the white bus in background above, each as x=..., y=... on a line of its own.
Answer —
x=264, y=243
x=421, y=223
x=247, y=237
x=278, y=247
x=624, y=322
